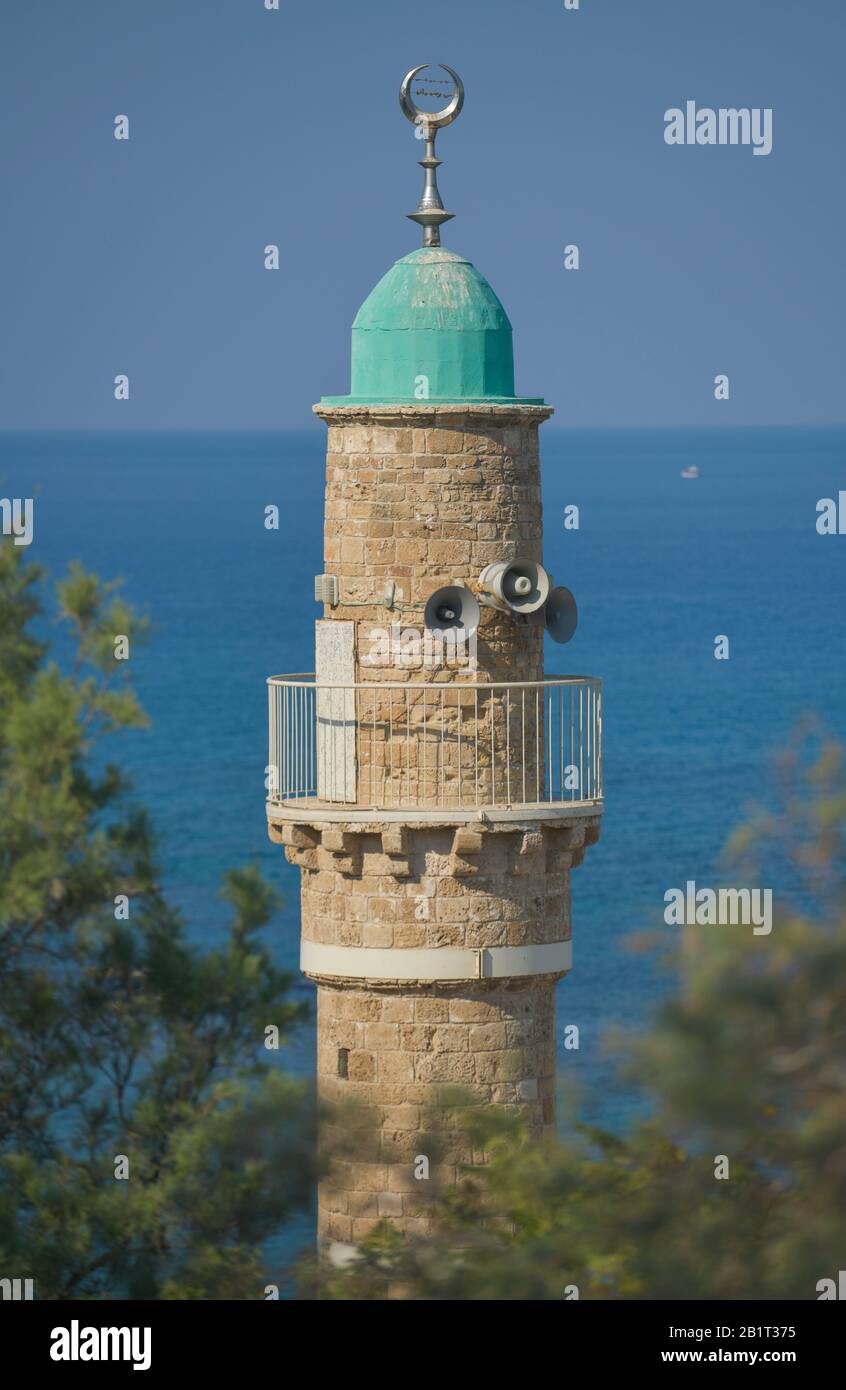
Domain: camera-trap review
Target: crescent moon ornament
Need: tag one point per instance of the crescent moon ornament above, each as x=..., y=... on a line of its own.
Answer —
x=430, y=212
x=433, y=118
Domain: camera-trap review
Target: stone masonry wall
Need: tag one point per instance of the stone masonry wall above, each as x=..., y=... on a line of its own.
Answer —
x=426, y=495
x=402, y=1053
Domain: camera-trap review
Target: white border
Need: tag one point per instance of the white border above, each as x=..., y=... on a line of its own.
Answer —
x=437, y=963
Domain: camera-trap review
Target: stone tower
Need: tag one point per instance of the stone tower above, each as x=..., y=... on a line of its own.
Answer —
x=435, y=794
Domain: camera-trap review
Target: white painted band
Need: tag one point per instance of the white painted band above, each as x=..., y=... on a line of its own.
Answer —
x=437, y=963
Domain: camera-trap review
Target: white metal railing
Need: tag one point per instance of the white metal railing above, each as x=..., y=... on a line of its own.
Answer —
x=430, y=745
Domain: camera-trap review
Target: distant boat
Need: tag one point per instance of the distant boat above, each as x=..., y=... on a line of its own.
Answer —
x=691, y=472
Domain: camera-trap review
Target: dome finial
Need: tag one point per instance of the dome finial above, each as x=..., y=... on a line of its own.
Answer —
x=430, y=210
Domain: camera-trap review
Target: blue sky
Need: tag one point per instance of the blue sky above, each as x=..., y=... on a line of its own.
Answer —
x=250, y=126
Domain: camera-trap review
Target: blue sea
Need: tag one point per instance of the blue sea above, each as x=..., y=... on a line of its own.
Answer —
x=660, y=565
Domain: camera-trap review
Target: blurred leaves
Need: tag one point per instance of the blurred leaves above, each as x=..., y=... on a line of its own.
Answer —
x=120, y=1036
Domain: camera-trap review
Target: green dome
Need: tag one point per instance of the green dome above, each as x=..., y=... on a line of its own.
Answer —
x=432, y=329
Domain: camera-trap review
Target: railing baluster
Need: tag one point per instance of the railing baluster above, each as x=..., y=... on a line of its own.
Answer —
x=593, y=743
x=271, y=737
x=458, y=709
x=508, y=744
x=476, y=737
x=589, y=704
x=538, y=726
x=372, y=745
x=443, y=734
x=523, y=739
x=581, y=742
x=549, y=744
x=599, y=761
x=572, y=734
x=492, y=713
x=425, y=760
x=561, y=780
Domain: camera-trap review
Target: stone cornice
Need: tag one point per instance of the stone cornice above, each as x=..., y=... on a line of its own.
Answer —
x=478, y=412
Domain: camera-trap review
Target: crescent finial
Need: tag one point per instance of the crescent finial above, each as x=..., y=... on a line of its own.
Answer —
x=430, y=213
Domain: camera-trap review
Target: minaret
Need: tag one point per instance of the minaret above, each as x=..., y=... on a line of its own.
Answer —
x=434, y=788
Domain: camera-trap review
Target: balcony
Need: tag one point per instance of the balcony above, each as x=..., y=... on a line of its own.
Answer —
x=434, y=751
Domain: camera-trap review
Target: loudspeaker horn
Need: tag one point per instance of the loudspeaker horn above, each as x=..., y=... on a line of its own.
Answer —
x=451, y=608
x=561, y=614
x=519, y=586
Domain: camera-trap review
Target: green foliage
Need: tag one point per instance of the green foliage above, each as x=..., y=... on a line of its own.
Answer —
x=119, y=1037
x=746, y=1058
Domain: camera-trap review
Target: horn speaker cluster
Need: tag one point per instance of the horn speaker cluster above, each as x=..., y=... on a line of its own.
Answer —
x=521, y=588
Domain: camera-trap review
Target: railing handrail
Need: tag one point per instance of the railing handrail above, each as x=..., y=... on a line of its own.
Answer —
x=436, y=744
x=308, y=679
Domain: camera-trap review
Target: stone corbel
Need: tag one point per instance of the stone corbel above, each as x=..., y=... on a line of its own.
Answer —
x=299, y=842
x=396, y=847
x=528, y=859
x=340, y=852
x=466, y=847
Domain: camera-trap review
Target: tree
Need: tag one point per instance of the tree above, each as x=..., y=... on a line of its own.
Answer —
x=148, y=1145
x=746, y=1061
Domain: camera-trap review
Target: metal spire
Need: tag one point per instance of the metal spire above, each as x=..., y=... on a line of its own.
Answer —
x=430, y=210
